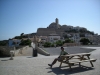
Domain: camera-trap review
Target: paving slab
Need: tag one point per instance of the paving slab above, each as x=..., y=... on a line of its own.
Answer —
x=28, y=65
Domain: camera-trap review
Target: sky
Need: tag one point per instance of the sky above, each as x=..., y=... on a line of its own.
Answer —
x=26, y=16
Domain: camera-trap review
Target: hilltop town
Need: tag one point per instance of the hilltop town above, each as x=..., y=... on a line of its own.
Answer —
x=21, y=56
x=55, y=32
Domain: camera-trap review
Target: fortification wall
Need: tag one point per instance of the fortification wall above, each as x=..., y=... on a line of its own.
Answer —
x=45, y=31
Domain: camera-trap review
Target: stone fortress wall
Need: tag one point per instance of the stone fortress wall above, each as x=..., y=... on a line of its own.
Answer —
x=63, y=30
x=54, y=27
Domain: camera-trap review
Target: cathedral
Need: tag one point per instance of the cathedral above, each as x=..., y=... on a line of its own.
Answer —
x=53, y=28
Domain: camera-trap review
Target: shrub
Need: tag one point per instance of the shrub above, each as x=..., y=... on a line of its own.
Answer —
x=68, y=41
x=25, y=42
x=47, y=44
x=3, y=43
x=52, y=45
x=4, y=51
x=85, y=41
x=59, y=43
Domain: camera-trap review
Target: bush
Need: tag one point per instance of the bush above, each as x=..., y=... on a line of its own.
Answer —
x=52, y=45
x=47, y=44
x=85, y=41
x=68, y=41
x=25, y=42
x=4, y=51
x=3, y=43
x=17, y=37
x=59, y=43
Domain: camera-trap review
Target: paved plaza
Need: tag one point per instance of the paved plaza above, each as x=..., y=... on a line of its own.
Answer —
x=28, y=65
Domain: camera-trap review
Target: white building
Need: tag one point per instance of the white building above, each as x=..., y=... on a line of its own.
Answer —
x=75, y=37
x=95, y=39
x=12, y=41
x=43, y=38
x=53, y=38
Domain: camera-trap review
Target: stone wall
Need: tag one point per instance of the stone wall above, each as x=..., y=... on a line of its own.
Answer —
x=5, y=50
x=47, y=31
x=71, y=44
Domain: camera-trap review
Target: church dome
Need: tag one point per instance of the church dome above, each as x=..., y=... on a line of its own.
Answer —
x=54, y=25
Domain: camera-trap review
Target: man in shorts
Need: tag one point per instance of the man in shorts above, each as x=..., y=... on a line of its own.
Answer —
x=63, y=52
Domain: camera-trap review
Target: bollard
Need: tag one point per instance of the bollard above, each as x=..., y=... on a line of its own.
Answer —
x=11, y=55
x=35, y=53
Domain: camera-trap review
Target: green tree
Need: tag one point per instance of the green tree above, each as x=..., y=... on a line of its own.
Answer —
x=65, y=36
x=20, y=37
x=3, y=42
x=25, y=42
x=59, y=43
x=83, y=30
x=21, y=34
x=17, y=37
x=52, y=45
x=47, y=44
x=85, y=41
x=68, y=41
x=82, y=35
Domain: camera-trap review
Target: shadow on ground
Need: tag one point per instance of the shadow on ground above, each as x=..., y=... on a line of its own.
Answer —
x=67, y=71
x=30, y=57
x=4, y=60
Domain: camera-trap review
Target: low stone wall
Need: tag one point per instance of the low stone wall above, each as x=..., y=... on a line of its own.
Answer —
x=42, y=51
x=71, y=44
x=20, y=51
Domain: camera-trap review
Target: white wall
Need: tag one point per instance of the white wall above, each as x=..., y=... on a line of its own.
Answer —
x=53, y=38
x=11, y=42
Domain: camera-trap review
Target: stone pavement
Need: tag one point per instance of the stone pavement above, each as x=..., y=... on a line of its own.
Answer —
x=28, y=65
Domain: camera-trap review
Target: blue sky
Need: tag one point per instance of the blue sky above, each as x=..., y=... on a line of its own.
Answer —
x=25, y=16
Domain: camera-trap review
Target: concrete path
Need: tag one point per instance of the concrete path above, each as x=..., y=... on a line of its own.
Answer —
x=28, y=65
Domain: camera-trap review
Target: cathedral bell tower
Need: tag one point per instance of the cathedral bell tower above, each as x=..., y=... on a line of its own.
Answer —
x=56, y=21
